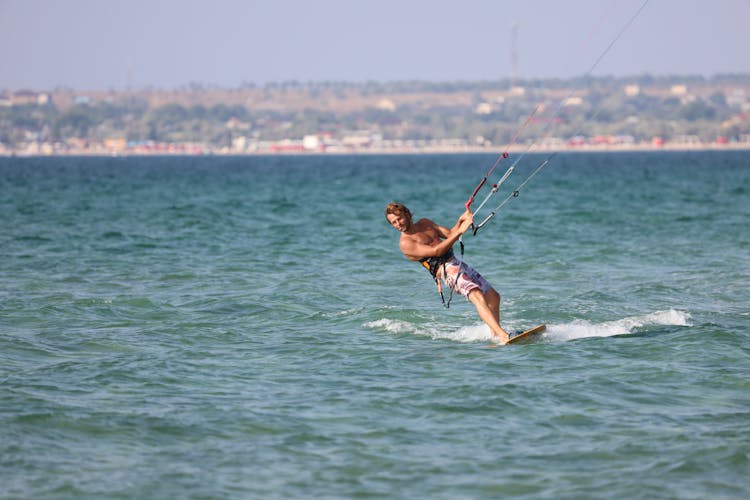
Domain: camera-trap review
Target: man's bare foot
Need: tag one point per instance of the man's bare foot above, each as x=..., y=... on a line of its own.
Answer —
x=500, y=338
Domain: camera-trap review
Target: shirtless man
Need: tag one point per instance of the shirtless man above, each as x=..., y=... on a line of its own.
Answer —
x=432, y=244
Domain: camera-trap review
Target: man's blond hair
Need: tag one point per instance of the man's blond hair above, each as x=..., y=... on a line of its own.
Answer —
x=397, y=209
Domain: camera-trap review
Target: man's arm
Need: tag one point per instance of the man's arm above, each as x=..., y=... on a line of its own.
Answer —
x=414, y=250
x=445, y=232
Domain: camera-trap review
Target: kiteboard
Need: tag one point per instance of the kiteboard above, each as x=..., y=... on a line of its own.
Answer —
x=528, y=334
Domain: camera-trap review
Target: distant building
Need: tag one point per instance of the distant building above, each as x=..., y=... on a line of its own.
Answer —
x=632, y=90
x=26, y=97
x=312, y=143
x=386, y=104
x=483, y=108
x=115, y=145
x=736, y=98
x=240, y=144
x=678, y=90
x=236, y=124
x=573, y=101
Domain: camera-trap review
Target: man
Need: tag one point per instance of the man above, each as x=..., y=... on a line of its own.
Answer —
x=432, y=244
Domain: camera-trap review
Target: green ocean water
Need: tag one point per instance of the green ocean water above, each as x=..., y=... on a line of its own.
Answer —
x=219, y=327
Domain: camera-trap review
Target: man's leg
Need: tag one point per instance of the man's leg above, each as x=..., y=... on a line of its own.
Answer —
x=493, y=302
x=488, y=313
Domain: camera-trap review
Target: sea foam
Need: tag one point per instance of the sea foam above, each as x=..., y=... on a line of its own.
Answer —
x=582, y=329
x=556, y=332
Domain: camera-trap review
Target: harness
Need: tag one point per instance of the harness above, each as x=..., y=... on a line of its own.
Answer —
x=433, y=264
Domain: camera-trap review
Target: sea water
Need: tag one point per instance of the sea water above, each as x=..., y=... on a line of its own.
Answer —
x=208, y=327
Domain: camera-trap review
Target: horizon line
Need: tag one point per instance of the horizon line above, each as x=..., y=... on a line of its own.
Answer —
x=517, y=82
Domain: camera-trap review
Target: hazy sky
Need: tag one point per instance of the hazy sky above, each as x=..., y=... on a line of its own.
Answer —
x=102, y=44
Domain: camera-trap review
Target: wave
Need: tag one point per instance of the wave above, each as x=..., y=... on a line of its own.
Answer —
x=556, y=332
x=579, y=329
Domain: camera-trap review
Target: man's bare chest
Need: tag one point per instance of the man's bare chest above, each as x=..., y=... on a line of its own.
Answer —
x=426, y=237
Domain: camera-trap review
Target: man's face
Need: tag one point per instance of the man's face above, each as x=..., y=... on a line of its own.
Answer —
x=400, y=222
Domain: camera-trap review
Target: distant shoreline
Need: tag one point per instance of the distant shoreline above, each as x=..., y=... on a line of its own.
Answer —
x=515, y=150
x=637, y=114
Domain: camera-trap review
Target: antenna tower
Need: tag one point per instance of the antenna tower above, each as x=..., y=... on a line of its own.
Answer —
x=514, y=54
